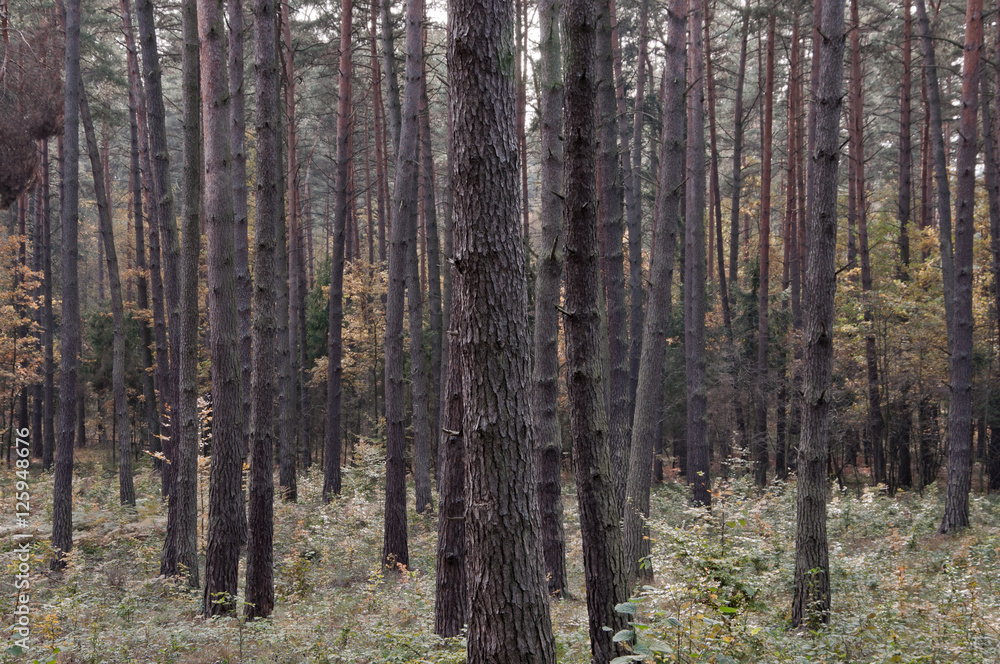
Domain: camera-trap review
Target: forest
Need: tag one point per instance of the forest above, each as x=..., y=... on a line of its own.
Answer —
x=499, y=331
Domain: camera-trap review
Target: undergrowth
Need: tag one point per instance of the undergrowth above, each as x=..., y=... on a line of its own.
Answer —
x=722, y=592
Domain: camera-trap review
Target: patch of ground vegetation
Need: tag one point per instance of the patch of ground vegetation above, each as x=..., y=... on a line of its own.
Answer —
x=721, y=595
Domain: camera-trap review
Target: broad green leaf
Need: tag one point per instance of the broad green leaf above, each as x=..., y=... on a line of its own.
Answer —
x=624, y=635
x=626, y=607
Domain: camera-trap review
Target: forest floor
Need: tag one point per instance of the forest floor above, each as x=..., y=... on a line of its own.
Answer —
x=721, y=595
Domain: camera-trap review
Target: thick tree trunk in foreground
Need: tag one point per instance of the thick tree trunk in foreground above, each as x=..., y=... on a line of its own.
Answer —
x=811, y=602
x=545, y=376
x=649, y=394
x=602, y=544
x=331, y=472
x=991, y=155
x=509, y=611
x=62, y=496
x=956, y=509
x=126, y=486
x=225, y=506
x=260, y=517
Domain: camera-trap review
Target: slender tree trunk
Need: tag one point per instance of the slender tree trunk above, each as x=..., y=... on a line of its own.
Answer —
x=166, y=240
x=225, y=506
x=940, y=168
x=905, y=196
x=404, y=204
x=450, y=598
x=126, y=487
x=734, y=215
x=611, y=225
x=48, y=386
x=602, y=545
x=331, y=475
x=180, y=549
x=876, y=423
x=237, y=140
x=260, y=540
x=634, y=213
x=62, y=496
x=545, y=376
x=508, y=607
x=287, y=454
x=760, y=455
x=394, y=116
x=714, y=182
x=811, y=602
x=991, y=129
x=956, y=510
x=649, y=395
x=694, y=266
x=381, y=177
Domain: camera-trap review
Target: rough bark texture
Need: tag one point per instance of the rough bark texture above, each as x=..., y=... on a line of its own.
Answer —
x=260, y=518
x=904, y=199
x=450, y=598
x=225, y=506
x=62, y=496
x=545, y=374
x=48, y=384
x=126, y=487
x=611, y=225
x=603, y=561
x=394, y=113
x=734, y=215
x=509, y=612
x=990, y=151
x=811, y=602
x=649, y=394
x=694, y=265
x=956, y=509
x=634, y=213
x=331, y=473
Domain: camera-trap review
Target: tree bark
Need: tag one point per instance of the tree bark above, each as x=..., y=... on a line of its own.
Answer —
x=811, y=601
x=394, y=117
x=62, y=495
x=734, y=215
x=649, y=394
x=905, y=196
x=331, y=475
x=545, y=375
x=956, y=510
x=602, y=544
x=260, y=521
x=225, y=506
x=760, y=455
x=48, y=386
x=126, y=486
x=508, y=608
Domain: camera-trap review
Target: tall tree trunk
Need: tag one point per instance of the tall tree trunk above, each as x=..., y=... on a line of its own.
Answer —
x=904, y=198
x=602, y=544
x=649, y=395
x=167, y=232
x=225, y=506
x=694, y=267
x=260, y=519
x=286, y=379
x=237, y=140
x=451, y=583
x=634, y=213
x=991, y=129
x=414, y=292
x=876, y=423
x=62, y=495
x=126, y=486
x=404, y=205
x=508, y=608
x=545, y=375
x=48, y=385
x=734, y=208
x=714, y=182
x=394, y=113
x=381, y=177
x=331, y=474
x=180, y=549
x=956, y=510
x=940, y=168
x=610, y=223
x=811, y=602
x=760, y=455
x=136, y=178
